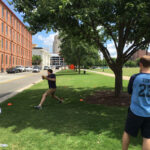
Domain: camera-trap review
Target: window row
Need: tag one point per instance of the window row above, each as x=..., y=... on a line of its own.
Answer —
x=8, y=32
x=11, y=19
x=15, y=48
x=11, y=60
x=25, y=43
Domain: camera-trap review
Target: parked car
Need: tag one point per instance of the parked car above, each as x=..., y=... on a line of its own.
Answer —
x=36, y=69
x=57, y=67
x=28, y=69
x=12, y=70
x=46, y=67
x=20, y=68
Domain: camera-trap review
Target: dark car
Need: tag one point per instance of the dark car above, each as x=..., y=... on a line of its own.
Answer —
x=57, y=67
x=46, y=67
x=12, y=70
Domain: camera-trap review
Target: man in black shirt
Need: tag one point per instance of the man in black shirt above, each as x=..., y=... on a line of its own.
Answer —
x=52, y=88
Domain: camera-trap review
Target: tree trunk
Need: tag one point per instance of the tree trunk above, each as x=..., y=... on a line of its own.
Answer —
x=76, y=68
x=118, y=80
x=79, y=69
x=147, y=52
x=79, y=65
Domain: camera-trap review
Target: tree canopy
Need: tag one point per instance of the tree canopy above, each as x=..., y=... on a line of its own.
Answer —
x=36, y=60
x=123, y=22
x=78, y=52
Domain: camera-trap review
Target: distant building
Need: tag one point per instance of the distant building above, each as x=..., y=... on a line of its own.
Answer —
x=56, y=60
x=15, y=40
x=56, y=44
x=139, y=54
x=45, y=55
x=34, y=45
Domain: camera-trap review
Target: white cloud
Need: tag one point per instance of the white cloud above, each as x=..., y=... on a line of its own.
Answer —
x=47, y=41
x=112, y=50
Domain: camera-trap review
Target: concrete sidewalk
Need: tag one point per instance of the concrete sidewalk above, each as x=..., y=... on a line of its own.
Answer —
x=108, y=74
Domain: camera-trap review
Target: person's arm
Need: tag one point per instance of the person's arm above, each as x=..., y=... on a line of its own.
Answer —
x=47, y=78
x=51, y=79
x=130, y=85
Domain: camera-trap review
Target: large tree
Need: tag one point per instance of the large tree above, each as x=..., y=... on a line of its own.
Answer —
x=36, y=60
x=77, y=52
x=123, y=22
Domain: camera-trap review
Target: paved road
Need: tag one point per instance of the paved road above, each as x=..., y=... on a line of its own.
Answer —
x=17, y=82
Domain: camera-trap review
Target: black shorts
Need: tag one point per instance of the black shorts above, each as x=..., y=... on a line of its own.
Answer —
x=135, y=123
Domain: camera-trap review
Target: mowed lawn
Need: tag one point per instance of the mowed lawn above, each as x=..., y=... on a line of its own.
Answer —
x=126, y=71
x=73, y=125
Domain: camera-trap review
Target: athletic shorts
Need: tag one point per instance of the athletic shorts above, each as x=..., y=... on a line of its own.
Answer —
x=135, y=123
x=50, y=92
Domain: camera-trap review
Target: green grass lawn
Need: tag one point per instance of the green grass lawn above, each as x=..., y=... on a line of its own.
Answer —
x=73, y=125
x=126, y=71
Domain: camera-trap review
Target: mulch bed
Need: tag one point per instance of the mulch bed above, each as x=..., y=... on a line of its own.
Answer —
x=108, y=98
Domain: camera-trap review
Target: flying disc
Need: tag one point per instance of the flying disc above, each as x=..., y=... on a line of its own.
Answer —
x=9, y=104
x=81, y=100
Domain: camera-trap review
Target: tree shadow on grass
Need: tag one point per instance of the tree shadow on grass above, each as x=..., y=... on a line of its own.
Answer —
x=72, y=117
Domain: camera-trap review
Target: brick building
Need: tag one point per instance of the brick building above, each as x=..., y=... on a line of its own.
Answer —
x=139, y=54
x=15, y=40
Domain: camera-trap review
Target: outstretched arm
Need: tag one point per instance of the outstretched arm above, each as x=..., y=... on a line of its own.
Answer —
x=51, y=79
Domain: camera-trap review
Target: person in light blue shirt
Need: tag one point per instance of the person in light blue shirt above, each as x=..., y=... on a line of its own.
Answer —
x=139, y=111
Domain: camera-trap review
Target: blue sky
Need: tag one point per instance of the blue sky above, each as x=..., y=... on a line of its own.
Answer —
x=42, y=39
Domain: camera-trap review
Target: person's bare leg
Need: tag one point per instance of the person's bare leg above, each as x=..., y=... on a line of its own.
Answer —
x=43, y=99
x=125, y=141
x=146, y=144
x=57, y=98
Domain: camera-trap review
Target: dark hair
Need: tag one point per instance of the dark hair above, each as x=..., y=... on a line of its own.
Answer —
x=145, y=61
x=50, y=70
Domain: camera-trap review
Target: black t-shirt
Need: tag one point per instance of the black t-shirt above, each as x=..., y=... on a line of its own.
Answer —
x=52, y=84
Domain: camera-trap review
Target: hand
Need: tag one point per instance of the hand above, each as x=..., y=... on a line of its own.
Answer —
x=43, y=77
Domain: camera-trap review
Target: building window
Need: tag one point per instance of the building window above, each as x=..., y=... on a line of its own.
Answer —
x=10, y=18
x=13, y=47
x=16, y=49
x=13, y=61
x=10, y=46
x=2, y=43
x=6, y=44
x=17, y=24
x=6, y=15
x=6, y=59
x=13, y=34
x=6, y=30
x=2, y=27
x=9, y=59
x=14, y=21
x=3, y=12
x=2, y=59
x=10, y=32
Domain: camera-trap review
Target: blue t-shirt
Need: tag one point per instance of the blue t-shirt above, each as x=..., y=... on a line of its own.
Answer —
x=52, y=84
x=139, y=87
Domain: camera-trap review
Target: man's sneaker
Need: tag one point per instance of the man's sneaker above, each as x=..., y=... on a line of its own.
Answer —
x=38, y=107
x=61, y=101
